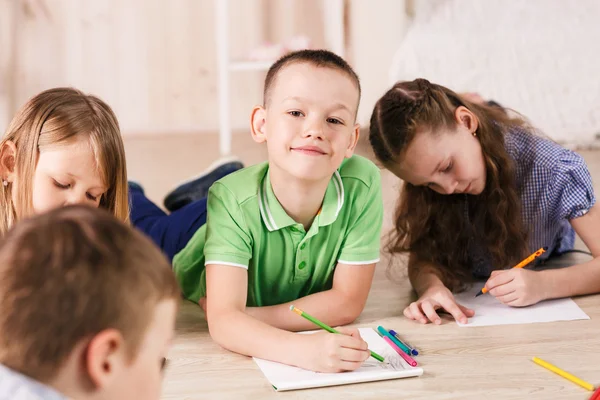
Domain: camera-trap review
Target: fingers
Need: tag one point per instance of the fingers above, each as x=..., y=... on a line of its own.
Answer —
x=519, y=302
x=416, y=313
x=353, y=332
x=336, y=360
x=452, y=307
x=429, y=311
x=503, y=290
x=353, y=342
x=344, y=352
x=499, y=278
x=467, y=311
x=508, y=298
x=353, y=355
x=426, y=308
x=408, y=313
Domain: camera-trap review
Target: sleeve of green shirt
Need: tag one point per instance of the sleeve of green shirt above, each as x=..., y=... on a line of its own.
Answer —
x=362, y=242
x=228, y=240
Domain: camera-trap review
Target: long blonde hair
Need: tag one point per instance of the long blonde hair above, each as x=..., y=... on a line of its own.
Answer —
x=61, y=116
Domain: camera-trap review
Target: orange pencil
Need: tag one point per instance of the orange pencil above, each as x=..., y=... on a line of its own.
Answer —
x=520, y=265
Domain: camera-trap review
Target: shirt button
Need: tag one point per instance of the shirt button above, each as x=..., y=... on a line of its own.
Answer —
x=302, y=265
x=294, y=229
x=303, y=246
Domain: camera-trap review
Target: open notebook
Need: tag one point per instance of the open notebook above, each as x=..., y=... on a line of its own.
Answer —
x=285, y=377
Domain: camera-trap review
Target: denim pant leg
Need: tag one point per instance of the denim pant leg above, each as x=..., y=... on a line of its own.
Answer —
x=170, y=232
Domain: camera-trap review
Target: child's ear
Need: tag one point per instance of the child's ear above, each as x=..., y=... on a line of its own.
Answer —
x=258, y=122
x=8, y=156
x=104, y=357
x=466, y=118
x=353, y=141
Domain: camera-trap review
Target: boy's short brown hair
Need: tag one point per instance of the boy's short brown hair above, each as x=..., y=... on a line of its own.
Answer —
x=318, y=58
x=66, y=276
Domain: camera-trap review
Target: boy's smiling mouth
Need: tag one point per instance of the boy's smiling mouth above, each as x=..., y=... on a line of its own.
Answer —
x=309, y=150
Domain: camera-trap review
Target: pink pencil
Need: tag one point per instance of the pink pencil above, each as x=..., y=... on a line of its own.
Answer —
x=405, y=356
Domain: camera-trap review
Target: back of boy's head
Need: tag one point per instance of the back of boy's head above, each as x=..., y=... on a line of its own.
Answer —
x=61, y=116
x=318, y=58
x=69, y=274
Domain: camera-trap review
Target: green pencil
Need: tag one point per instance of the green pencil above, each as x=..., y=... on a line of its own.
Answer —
x=328, y=328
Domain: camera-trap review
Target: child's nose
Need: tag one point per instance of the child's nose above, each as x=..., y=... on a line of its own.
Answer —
x=450, y=186
x=77, y=198
x=314, y=130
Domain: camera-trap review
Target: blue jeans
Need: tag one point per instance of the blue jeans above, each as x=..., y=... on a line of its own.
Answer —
x=170, y=232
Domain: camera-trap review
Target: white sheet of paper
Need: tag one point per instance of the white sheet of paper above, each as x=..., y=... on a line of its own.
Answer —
x=489, y=311
x=285, y=377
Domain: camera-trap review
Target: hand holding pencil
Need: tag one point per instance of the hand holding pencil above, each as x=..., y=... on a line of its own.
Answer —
x=517, y=287
x=344, y=351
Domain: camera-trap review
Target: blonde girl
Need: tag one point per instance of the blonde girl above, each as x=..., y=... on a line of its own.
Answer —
x=62, y=147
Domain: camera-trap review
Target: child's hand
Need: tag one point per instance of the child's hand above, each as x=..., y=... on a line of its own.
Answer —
x=516, y=287
x=435, y=298
x=328, y=352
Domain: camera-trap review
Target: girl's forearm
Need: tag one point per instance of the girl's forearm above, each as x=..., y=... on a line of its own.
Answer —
x=422, y=276
x=572, y=281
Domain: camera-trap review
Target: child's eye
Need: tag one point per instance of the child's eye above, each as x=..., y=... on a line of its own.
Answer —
x=295, y=113
x=60, y=185
x=448, y=168
x=334, y=121
x=93, y=198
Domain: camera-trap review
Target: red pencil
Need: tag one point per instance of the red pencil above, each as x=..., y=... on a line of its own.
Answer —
x=405, y=356
x=596, y=395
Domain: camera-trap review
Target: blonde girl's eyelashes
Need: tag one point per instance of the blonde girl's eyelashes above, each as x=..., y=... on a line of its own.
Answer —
x=61, y=185
x=65, y=186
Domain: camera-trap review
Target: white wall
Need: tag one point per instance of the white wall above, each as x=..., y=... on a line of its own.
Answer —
x=539, y=57
x=377, y=29
x=6, y=56
x=153, y=61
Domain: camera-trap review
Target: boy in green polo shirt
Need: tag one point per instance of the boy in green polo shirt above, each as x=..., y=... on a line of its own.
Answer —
x=302, y=228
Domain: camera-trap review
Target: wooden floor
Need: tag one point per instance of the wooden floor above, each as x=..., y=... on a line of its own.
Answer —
x=459, y=363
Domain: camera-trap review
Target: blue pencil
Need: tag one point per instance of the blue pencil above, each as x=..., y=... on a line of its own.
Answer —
x=413, y=351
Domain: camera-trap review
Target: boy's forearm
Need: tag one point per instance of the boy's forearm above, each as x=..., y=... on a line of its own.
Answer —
x=238, y=332
x=572, y=281
x=330, y=306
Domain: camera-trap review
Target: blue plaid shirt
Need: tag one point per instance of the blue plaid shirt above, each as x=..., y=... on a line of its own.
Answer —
x=555, y=187
x=16, y=386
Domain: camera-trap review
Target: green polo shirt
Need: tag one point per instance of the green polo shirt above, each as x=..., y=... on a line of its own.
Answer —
x=248, y=228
